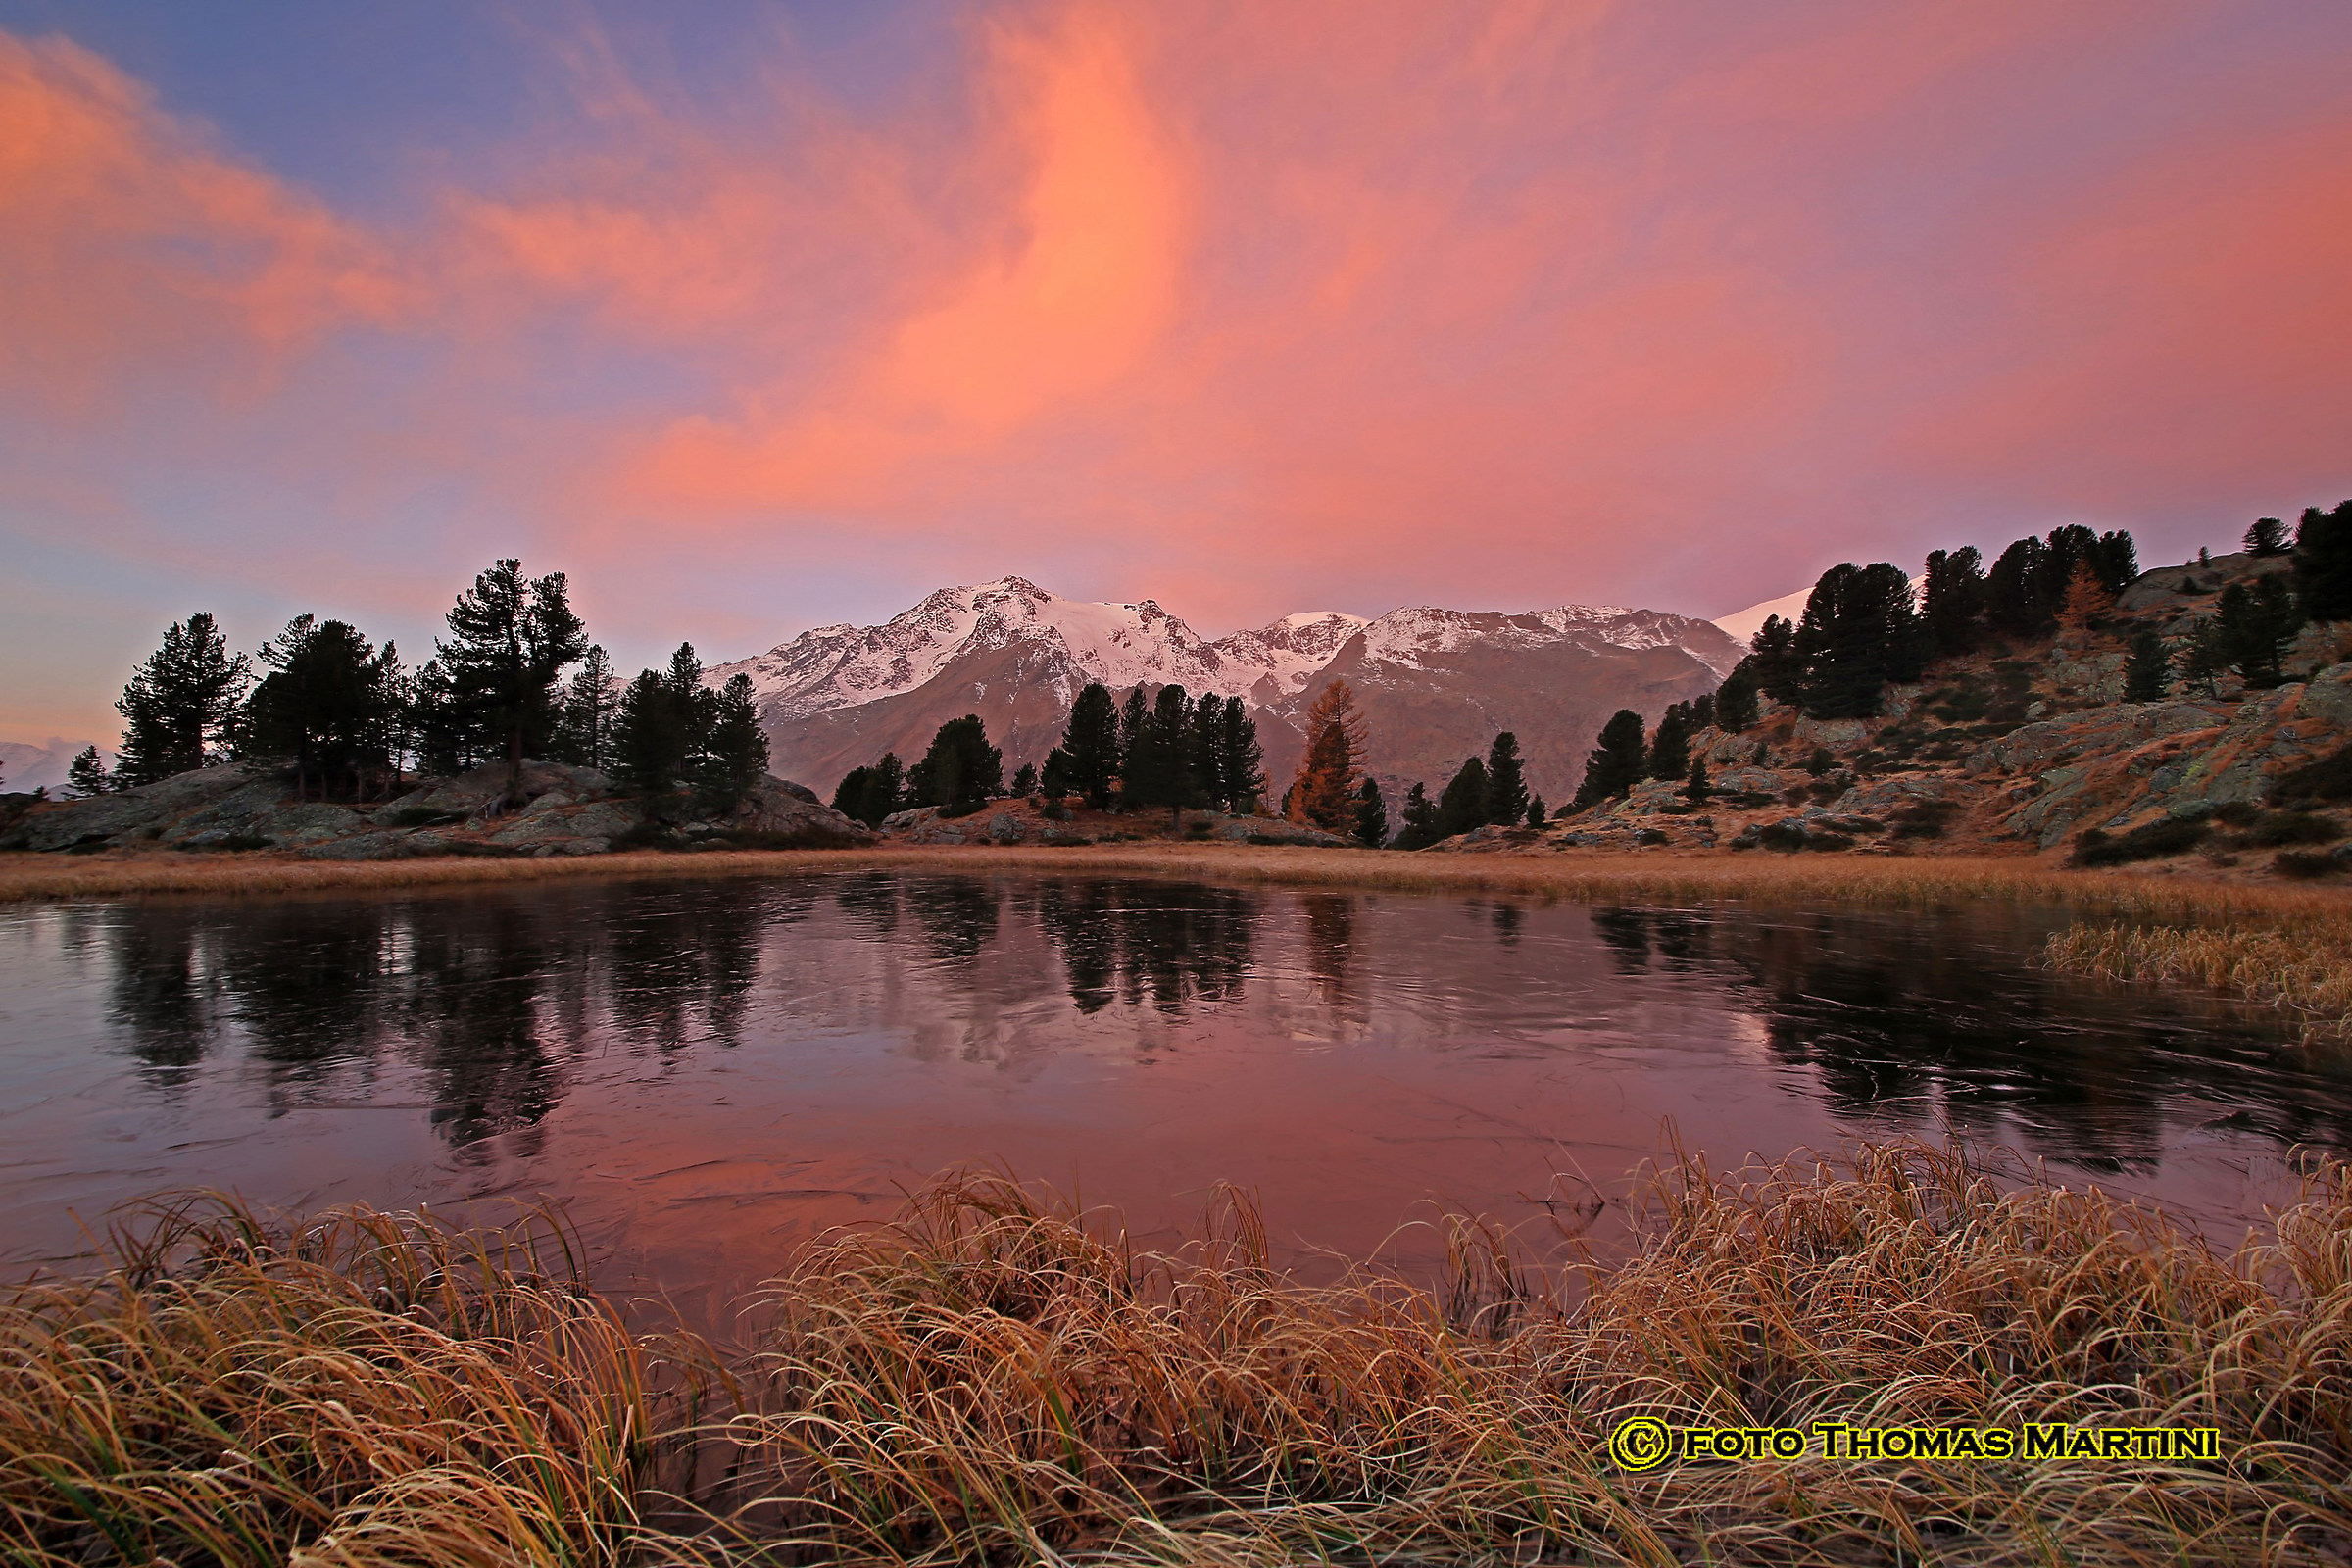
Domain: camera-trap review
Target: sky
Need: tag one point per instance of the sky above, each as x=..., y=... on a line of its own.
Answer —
x=759, y=317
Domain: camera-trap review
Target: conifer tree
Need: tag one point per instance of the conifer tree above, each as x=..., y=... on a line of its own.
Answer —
x=1371, y=814
x=1614, y=766
x=697, y=707
x=1736, y=705
x=1703, y=711
x=1538, y=814
x=1240, y=760
x=2206, y=658
x=734, y=758
x=1204, y=750
x=1859, y=632
x=1670, y=745
x=584, y=727
x=182, y=707
x=87, y=774
x=2266, y=537
x=511, y=638
x=1323, y=792
x=1055, y=781
x=2149, y=668
x=961, y=769
x=1090, y=745
x=1464, y=804
x=448, y=742
x=2323, y=563
x=849, y=796
x=1952, y=598
x=323, y=708
x=2255, y=627
x=1506, y=781
x=1134, y=715
x=884, y=792
x=1696, y=789
x=1024, y=779
x=649, y=743
x=2014, y=588
x=1772, y=662
x=2088, y=597
x=2118, y=561
x=1419, y=827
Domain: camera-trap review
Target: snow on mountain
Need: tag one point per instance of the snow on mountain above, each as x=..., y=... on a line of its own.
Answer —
x=1410, y=637
x=1745, y=623
x=1287, y=652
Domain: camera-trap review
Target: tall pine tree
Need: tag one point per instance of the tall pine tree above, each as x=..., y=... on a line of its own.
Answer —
x=324, y=707
x=1670, y=745
x=735, y=759
x=960, y=769
x=1464, y=804
x=1371, y=814
x=511, y=639
x=1090, y=745
x=1952, y=598
x=1240, y=760
x=2323, y=563
x=1616, y=764
x=2149, y=667
x=584, y=728
x=1419, y=827
x=182, y=707
x=1506, y=781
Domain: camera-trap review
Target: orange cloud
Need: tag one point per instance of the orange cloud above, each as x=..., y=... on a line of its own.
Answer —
x=125, y=240
x=1058, y=305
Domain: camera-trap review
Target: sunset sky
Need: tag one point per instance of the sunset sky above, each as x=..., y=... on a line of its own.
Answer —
x=755, y=317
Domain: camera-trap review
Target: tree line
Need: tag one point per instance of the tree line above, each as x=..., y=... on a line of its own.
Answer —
x=350, y=723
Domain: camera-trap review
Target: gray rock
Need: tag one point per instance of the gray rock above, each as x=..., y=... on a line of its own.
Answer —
x=1838, y=734
x=127, y=817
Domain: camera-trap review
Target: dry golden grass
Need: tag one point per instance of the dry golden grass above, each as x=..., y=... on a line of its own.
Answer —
x=989, y=1380
x=2303, y=966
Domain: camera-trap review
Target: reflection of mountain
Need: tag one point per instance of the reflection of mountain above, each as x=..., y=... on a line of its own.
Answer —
x=501, y=1004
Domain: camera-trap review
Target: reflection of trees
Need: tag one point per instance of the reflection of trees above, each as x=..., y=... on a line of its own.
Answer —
x=469, y=990
x=958, y=916
x=1330, y=943
x=1167, y=945
x=1942, y=1019
x=155, y=989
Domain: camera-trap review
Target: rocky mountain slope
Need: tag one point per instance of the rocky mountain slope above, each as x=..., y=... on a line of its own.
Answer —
x=2026, y=748
x=1437, y=683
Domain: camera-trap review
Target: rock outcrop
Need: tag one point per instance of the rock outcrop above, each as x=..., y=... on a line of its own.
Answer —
x=561, y=810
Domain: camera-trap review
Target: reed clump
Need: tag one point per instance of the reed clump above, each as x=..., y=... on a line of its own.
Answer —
x=364, y=1389
x=2302, y=967
x=990, y=1379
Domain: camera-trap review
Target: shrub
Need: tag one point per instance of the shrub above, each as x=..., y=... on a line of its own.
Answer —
x=2306, y=865
x=2293, y=827
x=1924, y=819
x=2172, y=834
x=2329, y=778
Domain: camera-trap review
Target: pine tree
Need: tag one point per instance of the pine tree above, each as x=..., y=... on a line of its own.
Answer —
x=2118, y=561
x=2206, y=658
x=650, y=742
x=1134, y=715
x=447, y=740
x=2323, y=563
x=323, y=708
x=697, y=707
x=734, y=758
x=1055, y=780
x=584, y=727
x=2266, y=537
x=1696, y=789
x=1240, y=760
x=1464, y=804
x=1323, y=793
x=849, y=796
x=1371, y=814
x=1506, y=781
x=1090, y=745
x=1538, y=814
x=1859, y=632
x=87, y=776
x=511, y=638
x=1952, y=598
x=1772, y=662
x=1670, y=746
x=960, y=769
x=2149, y=670
x=2014, y=588
x=884, y=790
x=182, y=707
x=1736, y=705
x=1024, y=780
x=1204, y=749
x=2255, y=627
x=1418, y=826
x=1614, y=766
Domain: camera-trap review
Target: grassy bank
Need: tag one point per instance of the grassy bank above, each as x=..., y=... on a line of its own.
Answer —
x=988, y=1380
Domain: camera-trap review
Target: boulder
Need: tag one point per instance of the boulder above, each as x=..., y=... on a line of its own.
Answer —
x=130, y=814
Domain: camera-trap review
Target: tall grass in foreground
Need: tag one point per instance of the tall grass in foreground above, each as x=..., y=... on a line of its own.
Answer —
x=989, y=1380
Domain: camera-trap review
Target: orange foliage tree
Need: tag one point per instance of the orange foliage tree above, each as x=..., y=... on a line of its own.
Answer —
x=1323, y=792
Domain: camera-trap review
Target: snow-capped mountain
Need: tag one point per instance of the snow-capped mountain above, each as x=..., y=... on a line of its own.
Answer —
x=836, y=696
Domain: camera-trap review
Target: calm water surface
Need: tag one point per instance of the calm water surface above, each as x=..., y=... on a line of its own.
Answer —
x=704, y=1073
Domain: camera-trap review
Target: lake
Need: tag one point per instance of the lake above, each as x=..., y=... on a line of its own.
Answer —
x=707, y=1073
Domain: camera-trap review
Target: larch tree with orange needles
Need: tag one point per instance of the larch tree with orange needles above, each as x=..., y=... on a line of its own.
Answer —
x=1323, y=793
